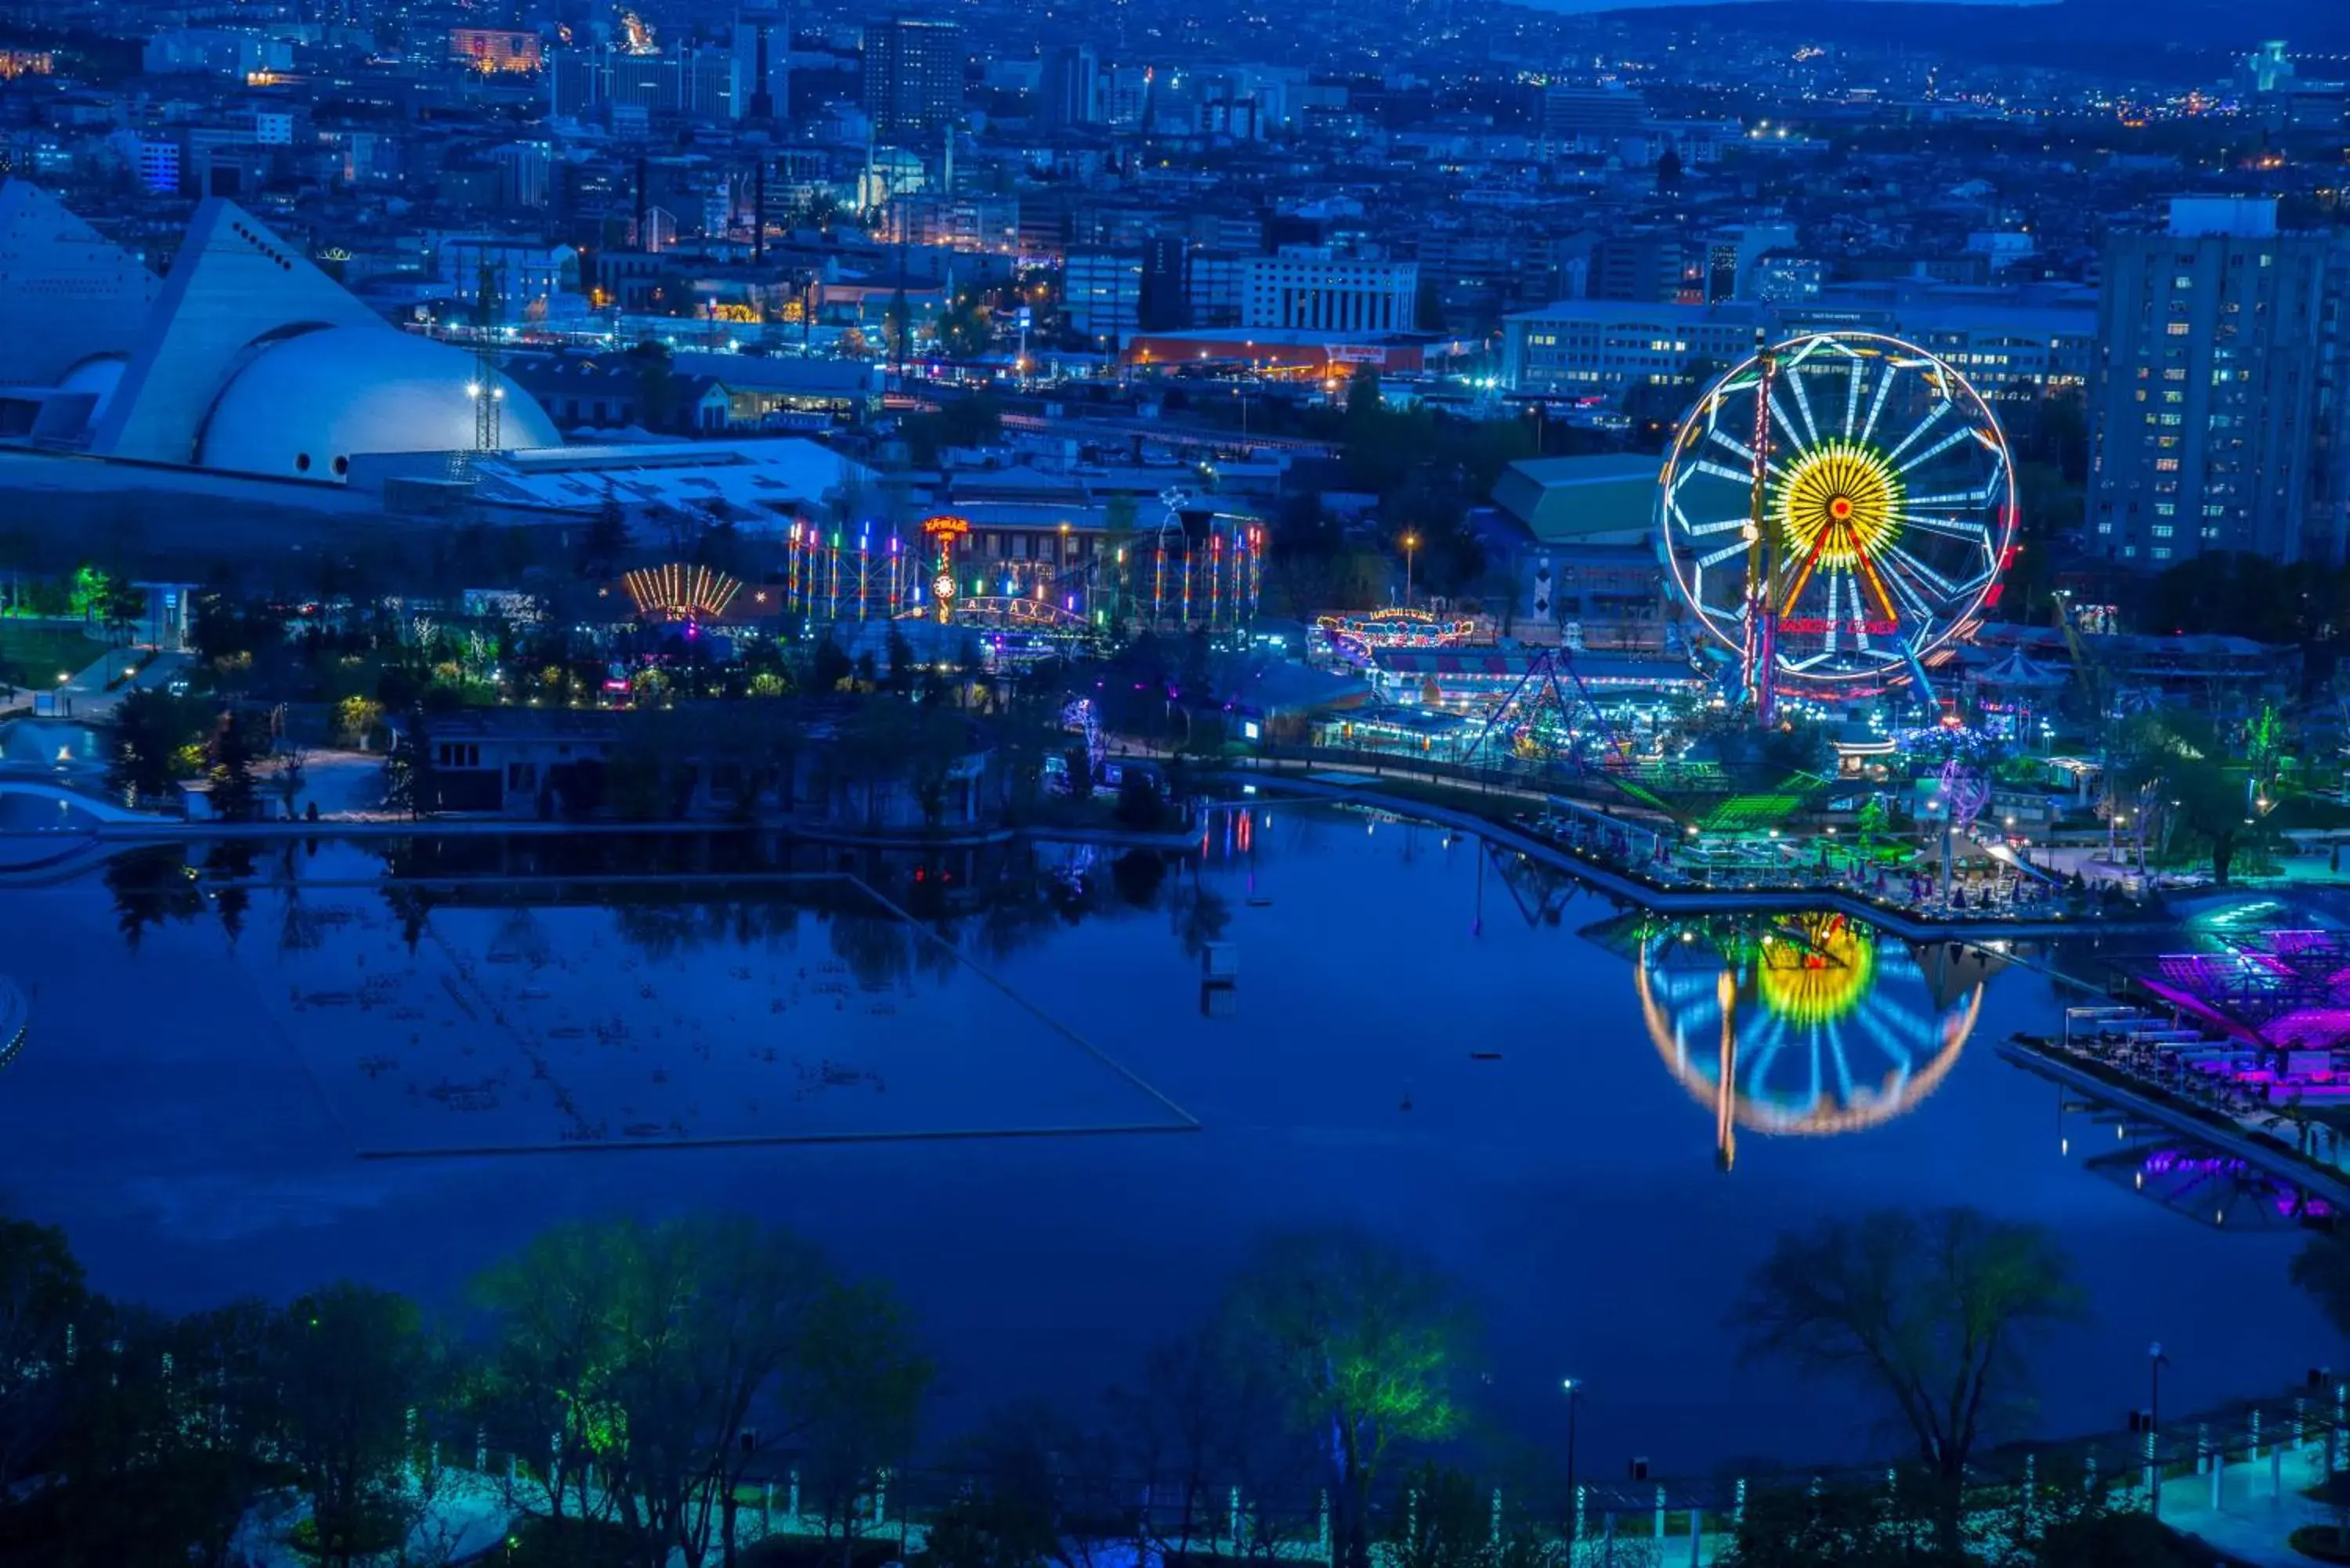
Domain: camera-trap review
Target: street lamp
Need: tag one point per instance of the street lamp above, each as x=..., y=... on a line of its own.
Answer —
x=1572, y=1386
x=2155, y=1362
x=1411, y=544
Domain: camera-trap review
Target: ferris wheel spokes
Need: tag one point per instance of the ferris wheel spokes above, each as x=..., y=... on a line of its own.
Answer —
x=1883, y=526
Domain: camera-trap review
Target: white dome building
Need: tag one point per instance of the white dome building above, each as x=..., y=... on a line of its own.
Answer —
x=303, y=406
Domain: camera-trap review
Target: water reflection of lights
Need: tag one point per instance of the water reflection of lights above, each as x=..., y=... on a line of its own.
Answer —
x=15, y=1021
x=2208, y=1186
x=1805, y=1025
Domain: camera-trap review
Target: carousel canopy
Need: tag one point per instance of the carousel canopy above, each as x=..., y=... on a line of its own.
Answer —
x=2015, y=671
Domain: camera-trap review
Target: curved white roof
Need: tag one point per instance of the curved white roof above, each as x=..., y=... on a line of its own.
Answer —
x=303, y=406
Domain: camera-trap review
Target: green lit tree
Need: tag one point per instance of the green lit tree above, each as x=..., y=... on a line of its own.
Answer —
x=635, y=1359
x=1364, y=1344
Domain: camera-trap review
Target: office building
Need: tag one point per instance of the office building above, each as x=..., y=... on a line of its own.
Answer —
x=699, y=84
x=2214, y=425
x=1069, y=88
x=1644, y=269
x=912, y=76
x=1593, y=117
x=1164, y=301
x=1308, y=287
x=763, y=54
x=509, y=280
x=496, y=51
x=1101, y=294
x=1733, y=254
x=1214, y=284
x=1605, y=348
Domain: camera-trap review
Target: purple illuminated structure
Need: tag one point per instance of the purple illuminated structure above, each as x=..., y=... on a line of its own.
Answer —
x=2279, y=1001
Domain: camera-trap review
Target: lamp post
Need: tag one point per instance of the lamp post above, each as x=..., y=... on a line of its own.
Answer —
x=1572, y=1386
x=2155, y=1362
x=1410, y=545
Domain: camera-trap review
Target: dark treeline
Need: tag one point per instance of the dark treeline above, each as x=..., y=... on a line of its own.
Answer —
x=638, y=1393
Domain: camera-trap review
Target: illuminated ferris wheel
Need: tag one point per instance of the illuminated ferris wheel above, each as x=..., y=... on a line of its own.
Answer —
x=1834, y=510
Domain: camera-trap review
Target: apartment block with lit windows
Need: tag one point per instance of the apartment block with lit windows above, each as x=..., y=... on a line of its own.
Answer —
x=2216, y=411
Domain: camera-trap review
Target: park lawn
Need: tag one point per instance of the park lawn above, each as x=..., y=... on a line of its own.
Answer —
x=34, y=653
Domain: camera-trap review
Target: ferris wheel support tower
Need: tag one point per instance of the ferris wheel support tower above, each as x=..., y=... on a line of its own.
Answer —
x=1761, y=554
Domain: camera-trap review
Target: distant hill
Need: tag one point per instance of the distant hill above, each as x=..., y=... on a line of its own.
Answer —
x=2156, y=37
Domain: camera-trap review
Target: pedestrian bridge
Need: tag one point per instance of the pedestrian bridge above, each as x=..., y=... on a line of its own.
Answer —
x=89, y=808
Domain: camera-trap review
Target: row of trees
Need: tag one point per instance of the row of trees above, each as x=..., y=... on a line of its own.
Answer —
x=647, y=1379
x=159, y=741
x=625, y=1364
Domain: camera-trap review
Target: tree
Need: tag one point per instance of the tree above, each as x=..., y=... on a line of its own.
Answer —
x=636, y=1359
x=606, y=538
x=900, y=656
x=657, y=385
x=156, y=739
x=2175, y=755
x=1207, y=1415
x=857, y=1385
x=1362, y=1342
x=1936, y=1310
x=1139, y=805
x=234, y=752
x=965, y=330
x=830, y=666
x=410, y=776
x=1835, y=1527
x=356, y=719
x=2322, y=1270
x=180, y=1414
x=1032, y=1497
x=552, y=1364
x=350, y=1363
x=41, y=1297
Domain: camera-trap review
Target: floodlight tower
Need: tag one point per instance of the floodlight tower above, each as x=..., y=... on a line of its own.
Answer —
x=488, y=392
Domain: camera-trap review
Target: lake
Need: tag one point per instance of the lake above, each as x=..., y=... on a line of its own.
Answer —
x=266, y=1068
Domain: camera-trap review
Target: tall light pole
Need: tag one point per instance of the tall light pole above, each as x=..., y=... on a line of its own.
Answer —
x=2155, y=1362
x=1573, y=1390
x=1411, y=544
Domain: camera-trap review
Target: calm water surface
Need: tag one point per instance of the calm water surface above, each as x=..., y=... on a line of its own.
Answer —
x=1503, y=1070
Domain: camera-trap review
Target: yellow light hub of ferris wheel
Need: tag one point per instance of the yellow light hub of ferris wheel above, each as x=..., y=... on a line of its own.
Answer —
x=1838, y=504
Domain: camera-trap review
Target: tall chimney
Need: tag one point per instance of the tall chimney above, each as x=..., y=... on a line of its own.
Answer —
x=759, y=210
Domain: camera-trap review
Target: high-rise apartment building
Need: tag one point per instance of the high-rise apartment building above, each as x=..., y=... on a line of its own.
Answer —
x=912, y=83
x=2215, y=415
